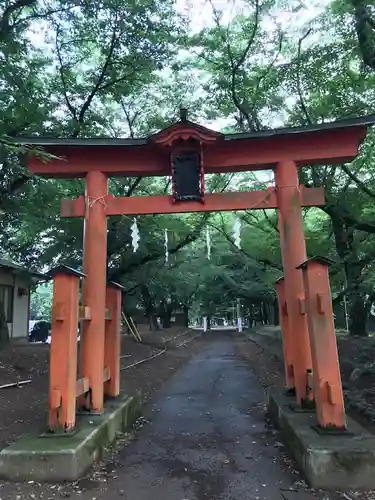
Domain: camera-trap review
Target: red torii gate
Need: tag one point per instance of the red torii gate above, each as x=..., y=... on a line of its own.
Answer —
x=306, y=318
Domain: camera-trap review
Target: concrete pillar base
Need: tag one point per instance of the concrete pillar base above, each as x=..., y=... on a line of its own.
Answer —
x=340, y=460
x=54, y=458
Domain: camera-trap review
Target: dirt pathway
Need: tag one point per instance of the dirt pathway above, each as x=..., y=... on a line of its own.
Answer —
x=207, y=440
x=204, y=437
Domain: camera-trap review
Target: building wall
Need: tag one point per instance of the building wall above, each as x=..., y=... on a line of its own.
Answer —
x=21, y=309
x=18, y=328
x=7, y=279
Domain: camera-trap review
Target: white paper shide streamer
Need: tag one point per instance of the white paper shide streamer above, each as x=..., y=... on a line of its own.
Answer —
x=208, y=243
x=205, y=323
x=135, y=236
x=237, y=232
x=166, y=247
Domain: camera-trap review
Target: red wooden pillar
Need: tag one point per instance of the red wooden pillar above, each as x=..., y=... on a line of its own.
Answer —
x=326, y=370
x=112, y=349
x=293, y=251
x=287, y=340
x=63, y=353
x=94, y=289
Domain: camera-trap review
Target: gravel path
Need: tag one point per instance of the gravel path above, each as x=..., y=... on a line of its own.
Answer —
x=204, y=437
x=207, y=439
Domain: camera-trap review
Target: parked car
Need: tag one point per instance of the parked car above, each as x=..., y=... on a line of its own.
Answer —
x=40, y=331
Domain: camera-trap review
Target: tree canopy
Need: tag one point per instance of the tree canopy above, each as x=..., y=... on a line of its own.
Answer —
x=119, y=68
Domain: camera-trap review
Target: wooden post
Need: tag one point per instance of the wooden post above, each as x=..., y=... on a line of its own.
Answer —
x=326, y=370
x=63, y=353
x=94, y=289
x=286, y=334
x=293, y=251
x=112, y=350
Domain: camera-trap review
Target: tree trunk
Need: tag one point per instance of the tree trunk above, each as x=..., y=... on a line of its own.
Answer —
x=260, y=313
x=358, y=316
x=165, y=314
x=266, y=312
x=149, y=309
x=358, y=308
x=186, y=315
x=252, y=315
x=153, y=322
x=208, y=322
x=275, y=315
x=166, y=319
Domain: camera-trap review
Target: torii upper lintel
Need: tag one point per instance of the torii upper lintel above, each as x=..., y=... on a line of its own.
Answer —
x=335, y=142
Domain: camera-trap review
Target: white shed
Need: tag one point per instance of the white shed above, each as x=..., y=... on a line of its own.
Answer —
x=15, y=283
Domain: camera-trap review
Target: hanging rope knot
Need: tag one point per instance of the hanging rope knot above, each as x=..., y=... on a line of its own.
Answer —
x=264, y=198
x=270, y=190
x=297, y=186
x=100, y=199
x=90, y=202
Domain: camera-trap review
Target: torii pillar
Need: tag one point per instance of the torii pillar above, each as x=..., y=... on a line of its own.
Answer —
x=293, y=252
x=94, y=288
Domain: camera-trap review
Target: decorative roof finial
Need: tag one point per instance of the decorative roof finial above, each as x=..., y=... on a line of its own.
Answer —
x=183, y=114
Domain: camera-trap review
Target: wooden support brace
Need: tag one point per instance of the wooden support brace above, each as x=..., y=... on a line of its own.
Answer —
x=82, y=386
x=333, y=394
x=302, y=306
x=58, y=311
x=54, y=399
x=135, y=329
x=112, y=346
x=63, y=353
x=326, y=370
x=320, y=303
x=106, y=374
x=84, y=313
x=286, y=333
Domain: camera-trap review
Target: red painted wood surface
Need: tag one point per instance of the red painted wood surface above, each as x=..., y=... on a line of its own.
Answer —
x=63, y=353
x=305, y=148
x=286, y=335
x=293, y=252
x=326, y=369
x=217, y=202
x=185, y=130
x=94, y=289
x=112, y=350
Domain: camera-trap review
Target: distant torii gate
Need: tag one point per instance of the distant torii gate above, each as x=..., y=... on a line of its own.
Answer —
x=188, y=151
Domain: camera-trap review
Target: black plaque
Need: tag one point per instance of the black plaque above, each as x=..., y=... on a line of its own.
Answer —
x=187, y=176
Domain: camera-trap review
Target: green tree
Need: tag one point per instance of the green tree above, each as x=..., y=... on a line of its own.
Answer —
x=41, y=302
x=287, y=75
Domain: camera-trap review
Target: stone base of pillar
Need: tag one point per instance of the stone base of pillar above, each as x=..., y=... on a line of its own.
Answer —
x=55, y=458
x=337, y=460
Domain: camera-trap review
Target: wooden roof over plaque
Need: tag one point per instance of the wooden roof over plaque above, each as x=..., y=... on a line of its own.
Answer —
x=185, y=130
